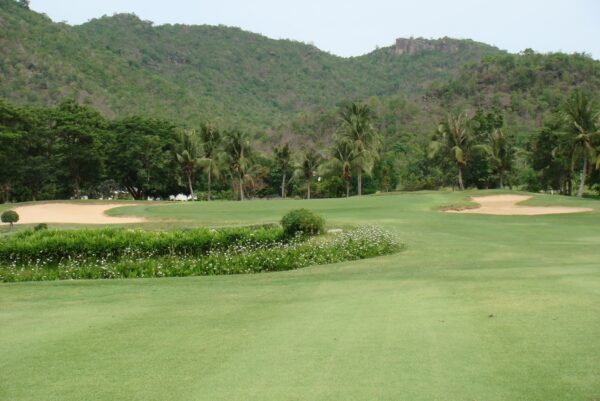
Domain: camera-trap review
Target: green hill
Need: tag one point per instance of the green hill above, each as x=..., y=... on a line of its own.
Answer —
x=526, y=87
x=278, y=89
x=122, y=65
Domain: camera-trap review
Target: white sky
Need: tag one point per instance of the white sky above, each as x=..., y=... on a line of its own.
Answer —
x=352, y=27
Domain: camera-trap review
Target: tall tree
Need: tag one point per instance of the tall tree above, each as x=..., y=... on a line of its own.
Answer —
x=12, y=129
x=79, y=131
x=282, y=157
x=140, y=156
x=357, y=127
x=210, y=138
x=552, y=168
x=38, y=145
x=237, y=151
x=580, y=116
x=309, y=163
x=454, y=139
x=342, y=160
x=501, y=152
x=189, y=156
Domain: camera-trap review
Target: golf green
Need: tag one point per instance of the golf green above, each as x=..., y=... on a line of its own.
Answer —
x=476, y=307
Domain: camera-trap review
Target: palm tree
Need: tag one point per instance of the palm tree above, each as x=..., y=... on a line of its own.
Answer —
x=253, y=178
x=454, y=139
x=357, y=128
x=501, y=152
x=210, y=163
x=189, y=158
x=282, y=160
x=580, y=117
x=343, y=157
x=309, y=163
x=237, y=151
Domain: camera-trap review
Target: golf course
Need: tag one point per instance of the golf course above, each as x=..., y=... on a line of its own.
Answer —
x=474, y=307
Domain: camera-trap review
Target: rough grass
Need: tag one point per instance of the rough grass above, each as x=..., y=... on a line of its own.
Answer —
x=476, y=308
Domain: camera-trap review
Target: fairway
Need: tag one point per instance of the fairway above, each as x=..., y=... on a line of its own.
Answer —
x=476, y=307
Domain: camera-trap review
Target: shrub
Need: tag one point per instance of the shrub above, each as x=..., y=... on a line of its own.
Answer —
x=302, y=221
x=10, y=216
x=242, y=258
x=54, y=246
x=41, y=226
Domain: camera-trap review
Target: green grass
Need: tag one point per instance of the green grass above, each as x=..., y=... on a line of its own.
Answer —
x=476, y=308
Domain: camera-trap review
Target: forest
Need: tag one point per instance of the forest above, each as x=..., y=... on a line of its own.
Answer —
x=72, y=151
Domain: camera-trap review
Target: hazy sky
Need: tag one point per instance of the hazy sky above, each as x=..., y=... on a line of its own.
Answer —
x=352, y=27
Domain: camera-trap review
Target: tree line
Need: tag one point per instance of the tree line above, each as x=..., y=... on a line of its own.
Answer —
x=71, y=150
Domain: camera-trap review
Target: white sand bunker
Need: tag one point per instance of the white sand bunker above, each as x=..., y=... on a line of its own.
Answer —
x=506, y=205
x=71, y=213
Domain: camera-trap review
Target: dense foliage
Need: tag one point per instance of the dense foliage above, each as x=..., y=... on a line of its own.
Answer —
x=240, y=257
x=57, y=246
x=302, y=222
x=72, y=151
x=9, y=216
x=122, y=65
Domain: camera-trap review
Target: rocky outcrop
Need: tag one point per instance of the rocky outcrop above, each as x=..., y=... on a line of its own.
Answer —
x=419, y=45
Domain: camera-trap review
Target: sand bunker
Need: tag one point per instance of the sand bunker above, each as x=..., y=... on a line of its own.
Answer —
x=506, y=205
x=71, y=213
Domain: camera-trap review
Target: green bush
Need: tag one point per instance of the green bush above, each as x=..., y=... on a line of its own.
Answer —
x=303, y=222
x=10, y=216
x=250, y=258
x=41, y=226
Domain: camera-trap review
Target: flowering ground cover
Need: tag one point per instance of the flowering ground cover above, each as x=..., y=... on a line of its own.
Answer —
x=110, y=253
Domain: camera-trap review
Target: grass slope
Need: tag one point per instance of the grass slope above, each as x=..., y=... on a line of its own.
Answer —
x=476, y=308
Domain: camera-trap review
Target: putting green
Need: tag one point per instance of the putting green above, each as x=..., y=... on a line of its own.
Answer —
x=477, y=307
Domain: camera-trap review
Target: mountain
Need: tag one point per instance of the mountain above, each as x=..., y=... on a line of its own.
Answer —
x=122, y=65
x=277, y=89
x=526, y=87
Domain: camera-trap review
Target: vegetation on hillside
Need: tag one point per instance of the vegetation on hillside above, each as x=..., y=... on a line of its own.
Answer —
x=71, y=151
x=118, y=104
x=122, y=65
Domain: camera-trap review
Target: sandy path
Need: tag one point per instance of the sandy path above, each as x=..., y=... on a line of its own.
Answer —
x=506, y=205
x=71, y=213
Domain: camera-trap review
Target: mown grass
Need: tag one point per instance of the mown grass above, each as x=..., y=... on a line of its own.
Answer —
x=476, y=308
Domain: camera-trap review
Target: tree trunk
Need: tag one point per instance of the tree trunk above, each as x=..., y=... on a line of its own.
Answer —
x=11, y=226
x=359, y=176
x=308, y=190
x=77, y=188
x=460, y=179
x=189, y=177
x=283, y=186
x=208, y=195
x=570, y=185
x=241, y=188
x=347, y=188
x=136, y=193
x=582, y=180
x=501, y=179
